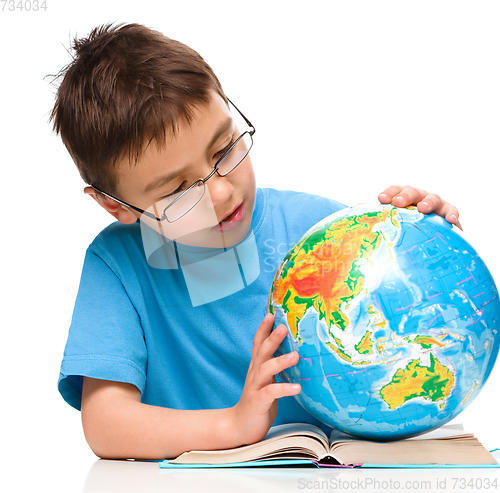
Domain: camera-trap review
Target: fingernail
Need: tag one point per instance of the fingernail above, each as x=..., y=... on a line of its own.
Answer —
x=453, y=219
x=426, y=204
x=383, y=196
x=295, y=386
x=291, y=355
x=278, y=330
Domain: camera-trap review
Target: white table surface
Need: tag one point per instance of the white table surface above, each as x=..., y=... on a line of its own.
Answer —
x=114, y=476
x=128, y=476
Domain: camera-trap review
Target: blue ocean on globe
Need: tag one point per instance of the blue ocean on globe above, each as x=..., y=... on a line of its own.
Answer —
x=395, y=318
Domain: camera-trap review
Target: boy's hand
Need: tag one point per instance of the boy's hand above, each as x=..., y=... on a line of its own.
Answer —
x=425, y=202
x=255, y=412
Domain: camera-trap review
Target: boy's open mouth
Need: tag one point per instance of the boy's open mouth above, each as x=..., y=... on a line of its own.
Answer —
x=232, y=220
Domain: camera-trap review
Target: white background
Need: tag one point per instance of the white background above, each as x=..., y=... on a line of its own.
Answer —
x=360, y=95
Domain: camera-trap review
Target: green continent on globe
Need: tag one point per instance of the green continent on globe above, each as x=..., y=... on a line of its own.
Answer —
x=425, y=341
x=432, y=382
x=365, y=346
x=323, y=271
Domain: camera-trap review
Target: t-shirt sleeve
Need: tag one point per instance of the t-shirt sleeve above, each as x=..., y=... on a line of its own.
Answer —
x=336, y=206
x=105, y=340
x=299, y=210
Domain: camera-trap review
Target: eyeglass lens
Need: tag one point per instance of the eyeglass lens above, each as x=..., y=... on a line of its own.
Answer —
x=175, y=206
x=236, y=155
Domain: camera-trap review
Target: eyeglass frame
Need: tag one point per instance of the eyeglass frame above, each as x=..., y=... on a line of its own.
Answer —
x=203, y=181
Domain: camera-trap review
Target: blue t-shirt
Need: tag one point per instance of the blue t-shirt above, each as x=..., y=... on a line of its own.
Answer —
x=136, y=324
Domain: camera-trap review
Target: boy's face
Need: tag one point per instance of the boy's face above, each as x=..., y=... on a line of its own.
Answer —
x=223, y=216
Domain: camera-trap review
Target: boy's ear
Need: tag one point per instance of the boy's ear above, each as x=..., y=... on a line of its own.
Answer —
x=118, y=211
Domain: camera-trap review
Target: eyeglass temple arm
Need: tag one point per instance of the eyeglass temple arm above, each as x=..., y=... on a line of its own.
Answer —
x=140, y=211
x=247, y=121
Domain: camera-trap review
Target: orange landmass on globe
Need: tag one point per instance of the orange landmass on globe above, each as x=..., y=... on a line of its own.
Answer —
x=321, y=270
x=339, y=351
x=476, y=383
x=427, y=341
x=432, y=382
x=365, y=346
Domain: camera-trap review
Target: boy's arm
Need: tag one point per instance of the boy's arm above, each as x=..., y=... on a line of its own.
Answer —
x=118, y=426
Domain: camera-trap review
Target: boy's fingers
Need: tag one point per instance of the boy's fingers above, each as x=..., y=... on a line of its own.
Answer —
x=393, y=190
x=387, y=195
x=269, y=346
x=266, y=396
x=275, y=391
x=408, y=196
x=269, y=368
x=262, y=333
x=430, y=203
x=441, y=208
x=401, y=196
x=449, y=212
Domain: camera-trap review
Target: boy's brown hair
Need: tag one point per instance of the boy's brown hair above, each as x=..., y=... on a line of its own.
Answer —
x=126, y=86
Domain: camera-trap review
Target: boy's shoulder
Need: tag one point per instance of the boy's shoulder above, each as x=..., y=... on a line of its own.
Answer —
x=287, y=215
x=117, y=240
x=292, y=197
x=117, y=232
x=299, y=203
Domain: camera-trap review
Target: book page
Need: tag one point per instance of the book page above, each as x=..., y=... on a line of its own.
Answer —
x=449, y=444
x=295, y=429
x=445, y=431
x=289, y=446
x=294, y=440
x=447, y=451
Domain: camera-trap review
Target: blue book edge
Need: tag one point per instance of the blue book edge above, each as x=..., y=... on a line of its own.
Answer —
x=258, y=463
x=306, y=462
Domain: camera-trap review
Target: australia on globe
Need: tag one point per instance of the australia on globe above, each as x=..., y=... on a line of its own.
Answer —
x=395, y=318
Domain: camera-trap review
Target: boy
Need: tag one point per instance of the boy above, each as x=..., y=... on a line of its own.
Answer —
x=156, y=366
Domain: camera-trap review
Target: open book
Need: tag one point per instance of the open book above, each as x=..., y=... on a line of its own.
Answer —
x=449, y=444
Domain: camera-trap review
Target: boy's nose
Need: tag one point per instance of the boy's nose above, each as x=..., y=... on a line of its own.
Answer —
x=220, y=189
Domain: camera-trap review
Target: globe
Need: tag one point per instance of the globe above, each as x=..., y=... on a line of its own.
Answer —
x=394, y=316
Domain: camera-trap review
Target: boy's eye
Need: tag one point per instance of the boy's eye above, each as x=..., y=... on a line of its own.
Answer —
x=182, y=186
x=178, y=190
x=220, y=153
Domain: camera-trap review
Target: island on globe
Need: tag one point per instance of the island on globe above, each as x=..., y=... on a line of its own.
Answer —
x=395, y=318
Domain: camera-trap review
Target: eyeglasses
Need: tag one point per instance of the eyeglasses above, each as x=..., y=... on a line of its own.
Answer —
x=179, y=204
